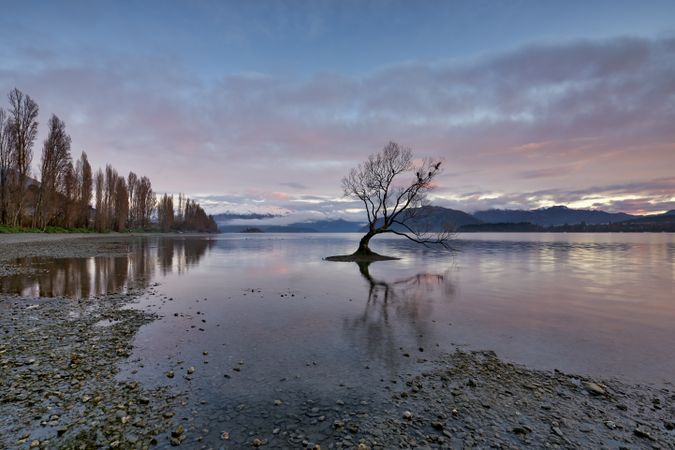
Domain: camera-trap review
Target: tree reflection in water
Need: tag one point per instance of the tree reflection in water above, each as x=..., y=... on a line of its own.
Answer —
x=397, y=314
x=81, y=278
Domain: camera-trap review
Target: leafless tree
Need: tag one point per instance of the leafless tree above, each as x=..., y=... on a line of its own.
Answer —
x=56, y=166
x=132, y=180
x=69, y=197
x=194, y=218
x=143, y=202
x=109, y=195
x=100, y=221
x=165, y=212
x=121, y=204
x=6, y=147
x=85, y=186
x=23, y=128
x=392, y=206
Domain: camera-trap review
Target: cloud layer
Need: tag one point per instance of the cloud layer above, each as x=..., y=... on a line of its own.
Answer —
x=584, y=123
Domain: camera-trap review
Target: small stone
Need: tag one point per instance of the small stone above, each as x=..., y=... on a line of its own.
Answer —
x=190, y=370
x=642, y=434
x=175, y=442
x=86, y=398
x=278, y=402
x=170, y=374
x=257, y=442
x=178, y=432
x=205, y=353
x=407, y=415
x=225, y=435
x=609, y=424
x=585, y=428
x=557, y=431
x=35, y=444
x=437, y=425
x=594, y=389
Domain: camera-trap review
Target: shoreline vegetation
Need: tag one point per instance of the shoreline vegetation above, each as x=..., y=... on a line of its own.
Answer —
x=60, y=199
x=59, y=359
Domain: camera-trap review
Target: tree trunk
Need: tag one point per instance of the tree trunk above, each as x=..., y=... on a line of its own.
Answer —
x=363, y=244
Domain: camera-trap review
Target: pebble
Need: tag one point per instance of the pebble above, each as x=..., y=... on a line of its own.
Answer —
x=594, y=388
x=642, y=433
x=178, y=431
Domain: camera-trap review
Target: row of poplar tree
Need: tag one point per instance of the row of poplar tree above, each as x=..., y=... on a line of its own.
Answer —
x=64, y=193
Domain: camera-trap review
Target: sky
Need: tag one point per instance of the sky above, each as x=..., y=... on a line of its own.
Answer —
x=264, y=106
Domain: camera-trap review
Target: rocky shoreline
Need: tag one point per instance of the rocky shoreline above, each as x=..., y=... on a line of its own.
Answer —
x=59, y=388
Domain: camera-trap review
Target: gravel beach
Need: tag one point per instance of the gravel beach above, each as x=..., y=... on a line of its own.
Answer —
x=59, y=388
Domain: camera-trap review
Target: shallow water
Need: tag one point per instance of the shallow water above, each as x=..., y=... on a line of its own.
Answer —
x=299, y=328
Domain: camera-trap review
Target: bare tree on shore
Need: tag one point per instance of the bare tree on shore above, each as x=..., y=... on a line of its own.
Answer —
x=85, y=183
x=121, y=204
x=100, y=223
x=6, y=146
x=132, y=180
x=56, y=168
x=23, y=128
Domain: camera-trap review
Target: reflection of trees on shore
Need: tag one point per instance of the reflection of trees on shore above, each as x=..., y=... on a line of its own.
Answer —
x=181, y=254
x=98, y=275
x=395, y=309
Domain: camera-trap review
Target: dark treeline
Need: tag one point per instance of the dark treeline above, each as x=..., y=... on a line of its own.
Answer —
x=186, y=216
x=63, y=194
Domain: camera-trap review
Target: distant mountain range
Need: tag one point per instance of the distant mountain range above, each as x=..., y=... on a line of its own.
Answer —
x=437, y=218
x=555, y=215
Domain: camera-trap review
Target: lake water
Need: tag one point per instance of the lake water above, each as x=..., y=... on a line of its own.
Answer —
x=279, y=322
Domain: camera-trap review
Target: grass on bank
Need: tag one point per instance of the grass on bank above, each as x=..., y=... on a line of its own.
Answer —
x=11, y=229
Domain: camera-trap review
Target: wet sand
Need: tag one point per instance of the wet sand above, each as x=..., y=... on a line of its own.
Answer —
x=59, y=389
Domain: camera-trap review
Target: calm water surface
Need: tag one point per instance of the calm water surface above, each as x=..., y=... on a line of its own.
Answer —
x=297, y=327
